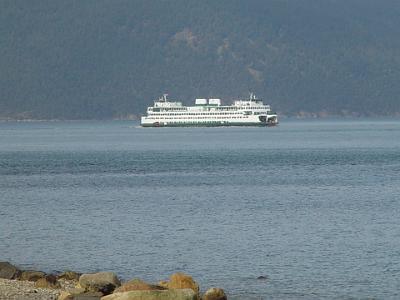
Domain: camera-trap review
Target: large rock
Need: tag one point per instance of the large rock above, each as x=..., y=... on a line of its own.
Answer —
x=89, y=296
x=30, y=275
x=183, y=281
x=138, y=285
x=182, y=294
x=81, y=294
x=69, y=275
x=75, y=291
x=8, y=271
x=65, y=296
x=48, y=282
x=104, y=282
x=214, y=294
x=163, y=283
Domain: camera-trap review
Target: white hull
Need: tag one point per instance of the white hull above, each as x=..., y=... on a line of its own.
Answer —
x=184, y=121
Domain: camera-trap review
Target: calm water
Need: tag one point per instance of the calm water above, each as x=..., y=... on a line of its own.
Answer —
x=312, y=205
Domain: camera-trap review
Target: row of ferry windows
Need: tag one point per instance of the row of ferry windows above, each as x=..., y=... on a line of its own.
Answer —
x=202, y=114
x=225, y=108
x=254, y=107
x=157, y=118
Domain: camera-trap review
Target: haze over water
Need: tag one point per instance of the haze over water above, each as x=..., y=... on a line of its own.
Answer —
x=312, y=205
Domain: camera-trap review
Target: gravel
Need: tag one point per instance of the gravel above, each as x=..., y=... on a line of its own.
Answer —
x=25, y=290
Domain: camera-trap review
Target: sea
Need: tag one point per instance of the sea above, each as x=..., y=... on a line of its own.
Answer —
x=309, y=209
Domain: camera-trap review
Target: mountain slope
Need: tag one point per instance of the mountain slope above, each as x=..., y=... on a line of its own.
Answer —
x=103, y=59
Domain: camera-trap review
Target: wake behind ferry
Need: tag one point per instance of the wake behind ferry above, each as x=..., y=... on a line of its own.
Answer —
x=209, y=112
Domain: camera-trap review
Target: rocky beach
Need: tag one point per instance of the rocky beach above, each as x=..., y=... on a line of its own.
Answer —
x=17, y=284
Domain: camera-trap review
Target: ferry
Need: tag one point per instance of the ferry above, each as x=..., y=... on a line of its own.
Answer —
x=209, y=112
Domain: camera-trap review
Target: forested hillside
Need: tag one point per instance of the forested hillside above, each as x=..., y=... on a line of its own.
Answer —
x=99, y=59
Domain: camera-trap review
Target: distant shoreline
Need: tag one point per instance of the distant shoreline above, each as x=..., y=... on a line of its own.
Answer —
x=284, y=117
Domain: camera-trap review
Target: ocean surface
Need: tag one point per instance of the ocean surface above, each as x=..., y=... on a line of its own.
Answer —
x=314, y=206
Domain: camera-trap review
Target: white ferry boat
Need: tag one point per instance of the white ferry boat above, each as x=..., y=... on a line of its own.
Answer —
x=209, y=112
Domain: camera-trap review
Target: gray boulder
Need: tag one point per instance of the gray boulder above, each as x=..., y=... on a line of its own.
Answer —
x=104, y=282
x=8, y=271
x=181, y=294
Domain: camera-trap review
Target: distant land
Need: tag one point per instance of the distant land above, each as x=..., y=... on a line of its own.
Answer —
x=110, y=59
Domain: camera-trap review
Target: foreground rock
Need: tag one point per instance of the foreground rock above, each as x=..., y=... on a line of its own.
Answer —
x=35, y=285
x=69, y=275
x=8, y=271
x=214, y=294
x=183, y=281
x=103, y=282
x=163, y=283
x=65, y=296
x=32, y=275
x=181, y=294
x=72, y=295
x=48, y=282
x=138, y=285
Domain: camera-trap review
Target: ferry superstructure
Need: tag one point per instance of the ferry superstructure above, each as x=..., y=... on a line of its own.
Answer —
x=209, y=112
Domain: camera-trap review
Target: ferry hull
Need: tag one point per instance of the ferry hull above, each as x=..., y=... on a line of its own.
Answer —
x=212, y=124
